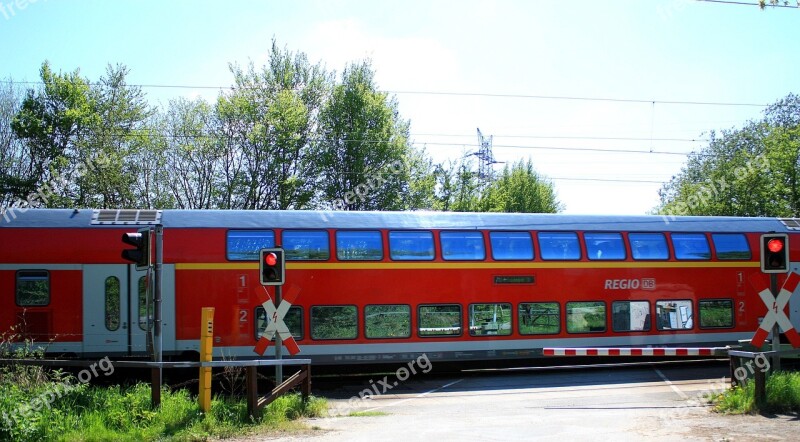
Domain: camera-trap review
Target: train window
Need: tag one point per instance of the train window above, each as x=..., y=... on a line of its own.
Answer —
x=731, y=246
x=144, y=311
x=293, y=320
x=559, y=245
x=334, y=322
x=359, y=245
x=244, y=245
x=646, y=246
x=628, y=316
x=439, y=320
x=112, y=295
x=466, y=246
x=490, y=319
x=604, y=246
x=408, y=246
x=539, y=318
x=715, y=313
x=586, y=317
x=387, y=321
x=33, y=288
x=674, y=315
x=691, y=246
x=508, y=246
x=306, y=245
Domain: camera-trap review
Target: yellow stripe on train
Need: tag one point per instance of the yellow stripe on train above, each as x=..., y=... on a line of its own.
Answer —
x=468, y=265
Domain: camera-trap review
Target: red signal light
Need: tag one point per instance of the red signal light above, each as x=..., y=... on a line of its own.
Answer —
x=775, y=245
x=270, y=259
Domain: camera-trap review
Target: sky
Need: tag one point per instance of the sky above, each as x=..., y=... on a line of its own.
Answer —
x=605, y=97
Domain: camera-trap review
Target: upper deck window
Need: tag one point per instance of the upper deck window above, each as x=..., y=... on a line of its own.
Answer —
x=466, y=246
x=244, y=245
x=691, y=246
x=306, y=245
x=648, y=246
x=508, y=246
x=604, y=246
x=411, y=246
x=731, y=246
x=559, y=245
x=359, y=245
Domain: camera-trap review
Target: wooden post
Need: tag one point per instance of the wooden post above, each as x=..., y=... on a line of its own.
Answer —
x=206, y=354
x=306, y=388
x=155, y=387
x=252, y=391
x=761, y=387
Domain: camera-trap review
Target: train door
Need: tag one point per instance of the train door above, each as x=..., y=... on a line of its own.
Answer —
x=116, y=313
x=106, y=323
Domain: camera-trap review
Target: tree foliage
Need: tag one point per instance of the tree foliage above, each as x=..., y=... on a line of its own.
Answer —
x=286, y=135
x=750, y=171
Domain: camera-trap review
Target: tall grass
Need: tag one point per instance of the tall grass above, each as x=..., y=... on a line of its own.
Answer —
x=43, y=405
x=783, y=396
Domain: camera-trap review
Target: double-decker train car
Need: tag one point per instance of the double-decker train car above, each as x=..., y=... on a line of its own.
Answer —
x=374, y=287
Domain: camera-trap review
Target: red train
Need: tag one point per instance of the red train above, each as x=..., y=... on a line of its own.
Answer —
x=385, y=286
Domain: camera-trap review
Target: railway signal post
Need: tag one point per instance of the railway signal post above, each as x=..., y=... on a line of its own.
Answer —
x=272, y=271
x=774, y=260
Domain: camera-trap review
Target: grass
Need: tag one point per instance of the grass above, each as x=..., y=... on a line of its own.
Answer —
x=41, y=405
x=783, y=396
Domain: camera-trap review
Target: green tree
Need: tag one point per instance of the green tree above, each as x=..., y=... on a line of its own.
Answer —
x=51, y=122
x=457, y=186
x=363, y=151
x=750, y=171
x=14, y=157
x=520, y=189
x=265, y=125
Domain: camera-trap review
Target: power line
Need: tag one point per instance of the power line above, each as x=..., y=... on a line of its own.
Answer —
x=738, y=3
x=451, y=93
x=571, y=137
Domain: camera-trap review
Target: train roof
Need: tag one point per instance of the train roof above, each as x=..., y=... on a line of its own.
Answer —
x=307, y=219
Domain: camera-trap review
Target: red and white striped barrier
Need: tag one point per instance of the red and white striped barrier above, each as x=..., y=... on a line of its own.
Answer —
x=626, y=351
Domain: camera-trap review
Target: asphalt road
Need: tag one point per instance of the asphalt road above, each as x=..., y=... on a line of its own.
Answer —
x=661, y=402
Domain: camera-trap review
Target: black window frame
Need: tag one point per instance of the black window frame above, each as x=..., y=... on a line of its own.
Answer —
x=631, y=239
x=621, y=242
x=391, y=250
x=255, y=256
x=442, y=304
x=558, y=322
x=648, y=323
x=380, y=237
x=43, y=275
x=737, y=258
x=410, y=321
x=287, y=252
x=605, y=317
x=523, y=232
x=444, y=233
x=542, y=249
x=678, y=254
x=311, y=322
x=700, y=314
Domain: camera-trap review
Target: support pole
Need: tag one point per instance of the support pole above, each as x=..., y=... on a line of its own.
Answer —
x=776, y=331
x=278, y=340
x=157, y=342
x=206, y=353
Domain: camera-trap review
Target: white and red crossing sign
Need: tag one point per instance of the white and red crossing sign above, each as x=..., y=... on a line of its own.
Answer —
x=776, y=313
x=631, y=351
x=275, y=323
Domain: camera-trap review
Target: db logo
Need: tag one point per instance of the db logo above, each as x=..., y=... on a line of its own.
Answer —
x=630, y=284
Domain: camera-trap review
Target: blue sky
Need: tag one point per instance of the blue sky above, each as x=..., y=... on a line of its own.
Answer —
x=656, y=51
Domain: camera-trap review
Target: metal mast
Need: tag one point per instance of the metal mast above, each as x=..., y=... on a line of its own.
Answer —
x=485, y=158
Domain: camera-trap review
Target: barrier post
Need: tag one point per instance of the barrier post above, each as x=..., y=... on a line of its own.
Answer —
x=206, y=352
